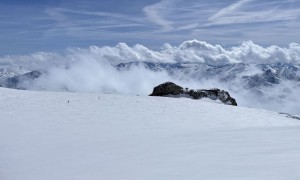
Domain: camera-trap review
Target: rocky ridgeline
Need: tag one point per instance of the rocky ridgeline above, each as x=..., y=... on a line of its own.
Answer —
x=171, y=89
x=20, y=81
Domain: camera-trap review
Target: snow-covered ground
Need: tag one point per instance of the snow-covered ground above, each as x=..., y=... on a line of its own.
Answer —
x=115, y=137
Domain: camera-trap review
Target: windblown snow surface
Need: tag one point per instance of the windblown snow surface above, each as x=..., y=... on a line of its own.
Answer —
x=118, y=137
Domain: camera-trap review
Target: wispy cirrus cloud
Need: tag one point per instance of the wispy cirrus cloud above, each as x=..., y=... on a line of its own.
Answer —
x=254, y=11
x=149, y=22
x=160, y=20
x=154, y=13
x=69, y=18
x=177, y=15
x=230, y=9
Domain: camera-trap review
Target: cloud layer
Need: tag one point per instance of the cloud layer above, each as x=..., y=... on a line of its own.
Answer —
x=192, y=51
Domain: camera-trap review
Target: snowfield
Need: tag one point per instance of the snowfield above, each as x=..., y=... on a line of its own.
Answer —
x=115, y=137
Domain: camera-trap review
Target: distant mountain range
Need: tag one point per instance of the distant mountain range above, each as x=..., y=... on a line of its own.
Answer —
x=251, y=75
x=248, y=75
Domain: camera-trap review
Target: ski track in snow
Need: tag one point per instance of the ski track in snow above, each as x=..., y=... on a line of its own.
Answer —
x=116, y=137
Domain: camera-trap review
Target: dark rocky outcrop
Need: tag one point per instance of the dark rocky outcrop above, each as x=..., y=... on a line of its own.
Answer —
x=17, y=82
x=169, y=88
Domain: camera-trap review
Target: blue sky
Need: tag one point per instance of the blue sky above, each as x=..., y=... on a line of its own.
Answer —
x=53, y=25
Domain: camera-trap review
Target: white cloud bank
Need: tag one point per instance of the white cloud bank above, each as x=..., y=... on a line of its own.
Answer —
x=194, y=51
x=189, y=51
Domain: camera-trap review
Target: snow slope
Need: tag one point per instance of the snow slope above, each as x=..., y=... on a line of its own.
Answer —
x=43, y=137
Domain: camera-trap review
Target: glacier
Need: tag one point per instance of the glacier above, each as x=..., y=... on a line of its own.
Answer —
x=64, y=136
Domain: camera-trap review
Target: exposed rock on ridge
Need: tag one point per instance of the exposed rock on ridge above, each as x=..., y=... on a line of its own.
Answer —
x=169, y=88
x=18, y=82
